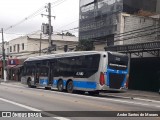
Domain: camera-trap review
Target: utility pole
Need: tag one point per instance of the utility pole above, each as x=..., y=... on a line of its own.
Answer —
x=4, y=63
x=40, y=44
x=50, y=26
x=49, y=22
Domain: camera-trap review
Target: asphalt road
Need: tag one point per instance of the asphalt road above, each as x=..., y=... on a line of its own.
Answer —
x=22, y=98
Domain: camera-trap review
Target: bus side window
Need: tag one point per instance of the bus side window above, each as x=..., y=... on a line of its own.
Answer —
x=95, y=61
x=23, y=71
x=86, y=62
x=44, y=71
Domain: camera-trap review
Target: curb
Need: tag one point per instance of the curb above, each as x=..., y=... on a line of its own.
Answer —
x=148, y=100
x=18, y=84
x=135, y=98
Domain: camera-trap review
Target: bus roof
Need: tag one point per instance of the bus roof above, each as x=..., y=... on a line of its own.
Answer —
x=69, y=54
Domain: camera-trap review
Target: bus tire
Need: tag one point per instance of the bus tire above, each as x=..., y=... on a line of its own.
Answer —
x=70, y=86
x=29, y=83
x=60, y=85
x=47, y=88
x=93, y=93
x=80, y=92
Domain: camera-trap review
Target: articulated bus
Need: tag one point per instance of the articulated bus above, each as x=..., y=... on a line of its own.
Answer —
x=91, y=71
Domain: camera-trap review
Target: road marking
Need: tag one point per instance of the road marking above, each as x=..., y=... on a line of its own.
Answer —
x=148, y=100
x=13, y=85
x=72, y=101
x=20, y=105
x=124, y=101
x=107, y=99
x=61, y=118
x=135, y=98
x=29, y=108
x=112, y=100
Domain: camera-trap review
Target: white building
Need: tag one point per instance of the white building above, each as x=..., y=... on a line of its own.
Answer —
x=30, y=45
x=133, y=29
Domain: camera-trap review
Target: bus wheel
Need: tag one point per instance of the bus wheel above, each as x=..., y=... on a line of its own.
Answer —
x=80, y=92
x=29, y=83
x=93, y=93
x=47, y=88
x=60, y=85
x=70, y=87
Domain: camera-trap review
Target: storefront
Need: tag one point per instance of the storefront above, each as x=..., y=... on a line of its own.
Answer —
x=1, y=69
x=14, y=68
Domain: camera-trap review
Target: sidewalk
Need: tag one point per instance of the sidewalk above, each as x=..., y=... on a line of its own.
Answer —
x=12, y=82
x=132, y=94
x=137, y=94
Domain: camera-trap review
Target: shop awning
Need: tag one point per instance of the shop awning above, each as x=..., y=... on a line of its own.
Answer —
x=18, y=66
x=10, y=66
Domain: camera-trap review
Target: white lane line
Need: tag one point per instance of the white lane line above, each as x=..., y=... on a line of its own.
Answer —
x=20, y=105
x=61, y=118
x=136, y=98
x=113, y=100
x=29, y=108
x=109, y=99
x=12, y=85
x=148, y=100
x=124, y=101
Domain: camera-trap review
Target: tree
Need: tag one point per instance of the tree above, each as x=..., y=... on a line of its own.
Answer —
x=69, y=34
x=85, y=45
x=66, y=34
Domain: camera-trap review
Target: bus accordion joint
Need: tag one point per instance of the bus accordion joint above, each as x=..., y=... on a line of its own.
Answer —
x=102, y=79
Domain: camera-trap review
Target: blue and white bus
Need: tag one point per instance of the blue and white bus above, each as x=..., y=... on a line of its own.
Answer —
x=91, y=71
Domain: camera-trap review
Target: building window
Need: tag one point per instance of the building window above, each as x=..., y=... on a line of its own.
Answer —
x=14, y=48
x=17, y=47
x=10, y=48
x=22, y=46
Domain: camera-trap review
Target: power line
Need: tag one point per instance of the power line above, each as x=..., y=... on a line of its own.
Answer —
x=68, y=24
x=58, y=2
x=71, y=29
x=34, y=32
x=128, y=38
x=27, y=18
x=15, y=33
x=137, y=31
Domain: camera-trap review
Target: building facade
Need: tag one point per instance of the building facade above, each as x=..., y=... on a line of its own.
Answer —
x=134, y=29
x=32, y=45
x=127, y=26
x=103, y=20
x=19, y=49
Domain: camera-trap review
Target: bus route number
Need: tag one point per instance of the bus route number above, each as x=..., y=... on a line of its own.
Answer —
x=80, y=73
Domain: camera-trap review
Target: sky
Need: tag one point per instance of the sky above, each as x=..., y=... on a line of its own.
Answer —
x=12, y=12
